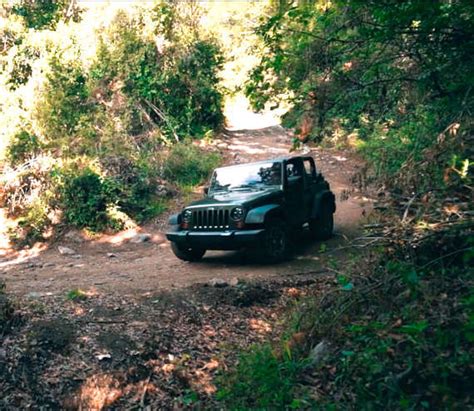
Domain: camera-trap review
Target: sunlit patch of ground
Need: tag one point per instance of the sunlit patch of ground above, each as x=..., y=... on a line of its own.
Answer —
x=127, y=235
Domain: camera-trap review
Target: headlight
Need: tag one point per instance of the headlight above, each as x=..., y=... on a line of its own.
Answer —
x=187, y=216
x=237, y=213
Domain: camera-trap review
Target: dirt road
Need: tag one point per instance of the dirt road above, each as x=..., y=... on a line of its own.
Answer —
x=112, y=264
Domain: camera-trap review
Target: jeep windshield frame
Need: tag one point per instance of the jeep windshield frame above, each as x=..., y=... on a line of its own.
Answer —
x=247, y=177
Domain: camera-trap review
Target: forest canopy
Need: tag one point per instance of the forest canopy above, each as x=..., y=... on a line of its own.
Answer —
x=385, y=76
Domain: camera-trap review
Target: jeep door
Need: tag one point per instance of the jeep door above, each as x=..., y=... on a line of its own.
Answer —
x=294, y=192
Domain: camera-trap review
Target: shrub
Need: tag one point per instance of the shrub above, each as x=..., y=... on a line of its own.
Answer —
x=187, y=164
x=85, y=198
x=262, y=381
x=22, y=146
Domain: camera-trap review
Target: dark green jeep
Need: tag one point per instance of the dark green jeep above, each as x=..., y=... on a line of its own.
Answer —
x=255, y=205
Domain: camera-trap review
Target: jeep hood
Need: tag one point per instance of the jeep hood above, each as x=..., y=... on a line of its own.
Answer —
x=239, y=198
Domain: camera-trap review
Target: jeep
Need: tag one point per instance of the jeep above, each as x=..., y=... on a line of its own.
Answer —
x=255, y=205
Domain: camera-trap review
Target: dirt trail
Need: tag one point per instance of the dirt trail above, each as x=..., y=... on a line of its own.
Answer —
x=147, y=267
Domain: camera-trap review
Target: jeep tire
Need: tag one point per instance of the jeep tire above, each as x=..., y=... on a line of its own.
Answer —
x=322, y=226
x=275, y=243
x=187, y=253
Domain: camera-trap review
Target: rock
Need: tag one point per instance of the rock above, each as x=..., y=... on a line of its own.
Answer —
x=34, y=294
x=140, y=238
x=223, y=146
x=112, y=255
x=102, y=357
x=318, y=353
x=339, y=158
x=49, y=265
x=218, y=283
x=73, y=235
x=66, y=250
x=163, y=191
x=234, y=282
x=76, y=256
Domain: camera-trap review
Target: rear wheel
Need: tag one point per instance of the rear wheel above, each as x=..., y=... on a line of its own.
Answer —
x=275, y=245
x=187, y=253
x=322, y=226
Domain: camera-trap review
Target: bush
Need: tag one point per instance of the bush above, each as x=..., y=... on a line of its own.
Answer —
x=22, y=146
x=85, y=199
x=262, y=381
x=187, y=164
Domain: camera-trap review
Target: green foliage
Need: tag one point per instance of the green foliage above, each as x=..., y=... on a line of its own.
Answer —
x=90, y=126
x=392, y=75
x=262, y=381
x=40, y=14
x=22, y=146
x=188, y=165
x=85, y=199
x=65, y=112
x=175, y=86
x=44, y=14
x=76, y=294
x=135, y=186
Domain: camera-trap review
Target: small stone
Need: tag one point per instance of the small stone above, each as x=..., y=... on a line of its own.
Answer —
x=141, y=238
x=112, y=255
x=218, y=283
x=76, y=256
x=34, y=294
x=222, y=146
x=234, y=282
x=74, y=236
x=318, y=353
x=66, y=250
x=49, y=265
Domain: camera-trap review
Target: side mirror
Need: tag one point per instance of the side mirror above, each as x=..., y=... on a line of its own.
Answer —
x=206, y=190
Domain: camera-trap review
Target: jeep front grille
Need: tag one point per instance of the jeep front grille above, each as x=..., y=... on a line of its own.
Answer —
x=210, y=219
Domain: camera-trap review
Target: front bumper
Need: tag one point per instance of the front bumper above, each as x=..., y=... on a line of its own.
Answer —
x=216, y=240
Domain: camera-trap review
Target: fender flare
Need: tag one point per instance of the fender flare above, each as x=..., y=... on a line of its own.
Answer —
x=320, y=199
x=259, y=214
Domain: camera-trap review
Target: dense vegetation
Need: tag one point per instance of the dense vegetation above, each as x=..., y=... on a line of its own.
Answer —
x=394, y=80
x=95, y=102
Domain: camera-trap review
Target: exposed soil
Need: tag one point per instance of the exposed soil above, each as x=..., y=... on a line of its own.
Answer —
x=148, y=330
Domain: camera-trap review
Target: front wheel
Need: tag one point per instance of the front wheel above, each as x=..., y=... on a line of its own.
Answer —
x=322, y=226
x=187, y=253
x=275, y=245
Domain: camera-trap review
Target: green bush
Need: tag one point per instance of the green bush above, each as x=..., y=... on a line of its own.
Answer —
x=262, y=381
x=85, y=199
x=177, y=88
x=187, y=164
x=135, y=185
x=22, y=146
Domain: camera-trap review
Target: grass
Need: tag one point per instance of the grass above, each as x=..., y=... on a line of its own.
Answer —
x=76, y=294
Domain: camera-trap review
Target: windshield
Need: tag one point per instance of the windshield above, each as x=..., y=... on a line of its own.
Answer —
x=249, y=177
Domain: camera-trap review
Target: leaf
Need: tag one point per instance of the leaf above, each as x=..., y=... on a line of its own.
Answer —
x=414, y=328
